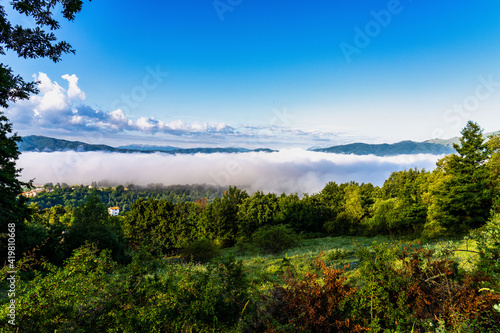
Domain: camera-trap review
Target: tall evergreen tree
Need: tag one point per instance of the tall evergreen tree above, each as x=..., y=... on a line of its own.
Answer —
x=464, y=197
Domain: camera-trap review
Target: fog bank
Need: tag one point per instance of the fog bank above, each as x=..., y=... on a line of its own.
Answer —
x=289, y=171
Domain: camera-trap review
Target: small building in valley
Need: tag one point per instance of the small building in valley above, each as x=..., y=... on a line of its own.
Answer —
x=114, y=211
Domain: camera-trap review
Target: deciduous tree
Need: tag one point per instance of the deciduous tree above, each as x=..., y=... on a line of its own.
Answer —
x=33, y=42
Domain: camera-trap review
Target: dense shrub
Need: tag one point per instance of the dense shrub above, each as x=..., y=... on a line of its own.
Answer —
x=319, y=303
x=337, y=254
x=488, y=243
x=185, y=298
x=406, y=290
x=92, y=294
x=70, y=299
x=275, y=239
x=202, y=250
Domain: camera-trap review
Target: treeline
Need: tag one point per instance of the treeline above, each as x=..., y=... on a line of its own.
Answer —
x=121, y=196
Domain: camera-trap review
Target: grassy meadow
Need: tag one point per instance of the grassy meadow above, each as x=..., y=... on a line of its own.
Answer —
x=340, y=252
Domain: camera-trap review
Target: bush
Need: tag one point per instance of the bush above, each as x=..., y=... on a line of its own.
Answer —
x=488, y=244
x=319, y=303
x=337, y=254
x=406, y=290
x=66, y=299
x=185, y=298
x=91, y=293
x=275, y=239
x=202, y=250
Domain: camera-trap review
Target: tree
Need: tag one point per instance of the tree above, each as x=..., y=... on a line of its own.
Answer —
x=463, y=198
x=350, y=210
x=303, y=215
x=92, y=223
x=257, y=211
x=400, y=207
x=10, y=185
x=31, y=42
x=331, y=200
x=162, y=224
x=27, y=43
x=220, y=219
x=473, y=151
x=493, y=164
x=385, y=216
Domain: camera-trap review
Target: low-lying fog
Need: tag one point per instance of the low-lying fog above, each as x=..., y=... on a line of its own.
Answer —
x=289, y=170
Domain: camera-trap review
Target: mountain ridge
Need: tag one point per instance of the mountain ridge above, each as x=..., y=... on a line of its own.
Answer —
x=389, y=149
x=39, y=143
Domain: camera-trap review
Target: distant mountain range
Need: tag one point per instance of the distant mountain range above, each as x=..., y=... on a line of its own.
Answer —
x=434, y=147
x=38, y=143
x=177, y=150
x=385, y=149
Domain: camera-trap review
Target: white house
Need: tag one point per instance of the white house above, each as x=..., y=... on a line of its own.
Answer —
x=114, y=211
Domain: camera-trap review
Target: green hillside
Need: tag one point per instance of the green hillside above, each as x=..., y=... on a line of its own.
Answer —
x=385, y=149
x=46, y=144
x=38, y=143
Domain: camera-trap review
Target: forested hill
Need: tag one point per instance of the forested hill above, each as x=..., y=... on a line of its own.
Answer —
x=46, y=144
x=124, y=197
x=37, y=143
x=385, y=149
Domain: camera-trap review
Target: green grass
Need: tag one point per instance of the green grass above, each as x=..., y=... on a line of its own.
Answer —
x=266, y=270
x=464, y=251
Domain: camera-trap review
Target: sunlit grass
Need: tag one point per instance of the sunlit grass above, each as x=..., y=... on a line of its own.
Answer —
x=265, y=270
x=463, y=251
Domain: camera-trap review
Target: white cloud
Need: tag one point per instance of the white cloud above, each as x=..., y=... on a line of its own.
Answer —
x=53, y=97
x=146, y=124
x=59, y=111
x=288, y=171
x=57, y=107
x=74, y=92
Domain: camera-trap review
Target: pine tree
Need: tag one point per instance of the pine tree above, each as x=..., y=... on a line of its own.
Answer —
x=464, y=199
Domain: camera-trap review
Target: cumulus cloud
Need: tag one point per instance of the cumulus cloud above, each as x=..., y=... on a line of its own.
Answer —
x=74, y=92
x=288, y=171
x=63, y=108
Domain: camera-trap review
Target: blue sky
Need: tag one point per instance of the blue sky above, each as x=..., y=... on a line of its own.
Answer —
x=259, y=73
